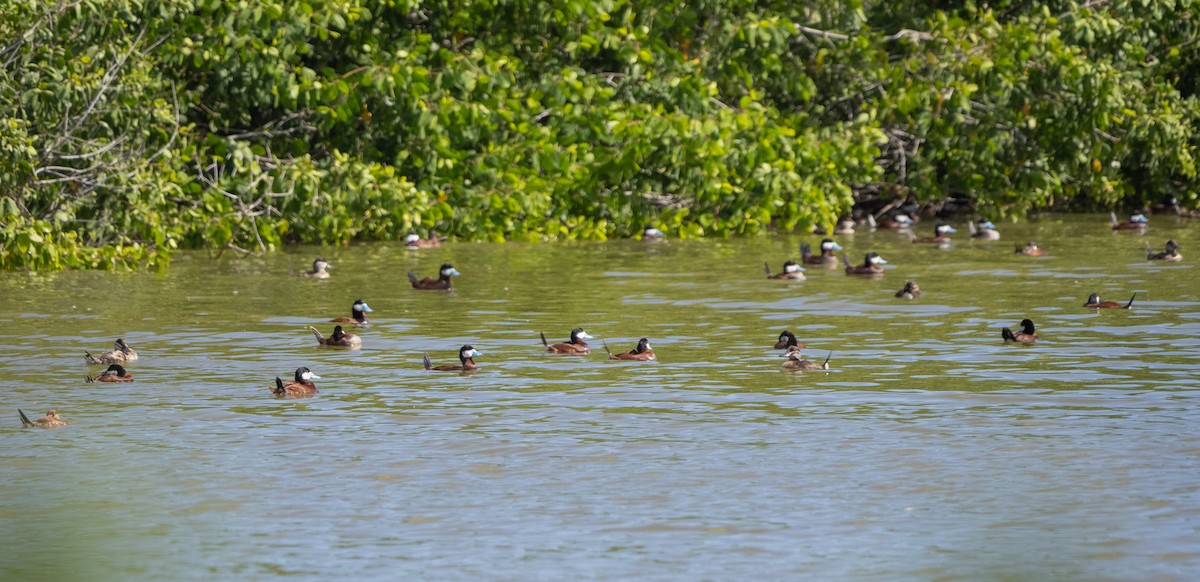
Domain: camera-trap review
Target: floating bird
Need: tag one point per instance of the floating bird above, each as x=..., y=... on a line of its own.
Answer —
x=791, y=271
x=121, y=354
x=320, y=270
x=339, y=339
x=1027, y=335
x=302, y=385
x=442, y=283
x=1170, y=255
x=466, y=355
x=51, y=420
x=642, y=353
x=358, y=313
x=114, y=373
x=574, y=346
x=795, y=361
x=910, y=291
x=1094, y=302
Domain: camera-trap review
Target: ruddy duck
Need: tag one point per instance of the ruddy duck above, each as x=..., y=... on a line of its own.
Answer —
x=575, y=346
x=320, y=270
x=796, y=361
x=1094, y=302
x=1027, y=335
x=442, y=283
x=1137, y=221
x=787, y=340
x=825, y=259
x=1031, y=250
x=51, y=420
x=910, y=291
x=302, y=385
x=871, y=265
x=121, y=354
x=114, y=373
x=358, y=313
x=791, y=271
x=466, y=355
x=642, y=353
x=985, y=230
x=414, y=241
x=898, y=221
x=940, y=231
x=339, y=339
x=1171, y=254
x=651, y=234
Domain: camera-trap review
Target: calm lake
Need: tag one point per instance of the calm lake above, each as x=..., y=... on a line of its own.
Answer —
x=930, y=451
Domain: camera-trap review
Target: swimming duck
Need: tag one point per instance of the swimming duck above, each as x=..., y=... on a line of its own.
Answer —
x=575, y=346
x=51, y=420
x=1031, y=250
x=1137, y=221
x=414, y=241
x=940, y=231
x=302, y=385
x=1171, y=254
x=651, y=234
x=795, y=361
x=787, y=340
x=320, y=270
x=339, y=339
x=466, y=355
x=642, y=353
x=985, y=230
x=825, y=259
x=442, y=283
x=910, y=291
x=358, y=313
x=871, y=265
x=1094, y=302
x=1027, y=335
x=114, y=373
x=120, y=354
x=791, y=272
x=898, y=221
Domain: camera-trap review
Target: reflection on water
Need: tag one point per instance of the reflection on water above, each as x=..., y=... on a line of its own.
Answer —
x=930, y=451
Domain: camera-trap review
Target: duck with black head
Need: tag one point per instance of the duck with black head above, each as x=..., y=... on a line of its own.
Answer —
x=1171, y=254
x=983, y=229
x=826, y=259
x=651, y=234
x=791, y=271
x=642, y=353
x=872, y=265
x=1137, y=221
x=787, y=340
x=940, y=233
x=51, y=420
x=898, y=221
x=120, y=354
x=1094, y=302
x=320, y=270
x=1027, y=335
x=910, y=291
x=339, y=339
x=795, y=361
x=114, y=373
x=576, y=346
x=301, y=385
x=466, y=358
x=1031, y=250
x=413, y=241
x=442, y=283
x=358, y=313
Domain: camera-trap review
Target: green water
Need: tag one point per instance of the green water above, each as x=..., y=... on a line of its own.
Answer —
x=931, y=450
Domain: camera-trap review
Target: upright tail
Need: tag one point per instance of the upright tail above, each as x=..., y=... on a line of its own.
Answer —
x=805, y=249
x=767, y=266
x=317, y=334
x=1130, y=304
x=606, y=347
x=92, y=359
x=425, y=360
x=412, y=278
x=1149, y=250
x=971, y=227
x=25, y=422
x=544, y=342
x=1007, y=334
x=826, y=364
x=279, y=389
x=871, y=221
x=1113, y=216
x=90, y=379
x=846, y=260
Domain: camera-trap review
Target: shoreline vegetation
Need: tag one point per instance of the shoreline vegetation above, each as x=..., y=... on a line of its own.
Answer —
x=131, y=128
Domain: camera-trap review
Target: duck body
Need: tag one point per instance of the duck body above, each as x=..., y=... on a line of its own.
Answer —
x=51, y=420
x=320, y=270
x=413, y=241
x=575, y=346
x=1027, y=335
x=1031, y=250
x=301, y=385
x=910, y=291
x=1171, y=254
x=898, y=221
x=1137, y=221
x=939, y=235
x=787, y=340
x=642, y=353
x=826, y=259
x=120, y=354
x=652, y=235
x=795, y=361
x=114, y=373
x=791, y=272
x=871, y=265
x=442, y=283
x=1094, y=302
x=358, y=314
x=984, y=230
x=339, y=339
x=466, y=358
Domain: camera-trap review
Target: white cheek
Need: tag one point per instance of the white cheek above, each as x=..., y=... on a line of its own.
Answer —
x=793, y=269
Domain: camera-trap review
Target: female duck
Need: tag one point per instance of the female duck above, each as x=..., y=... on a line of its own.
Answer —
x=466, y=357
x=1137, y=221
x=339, y=339
x=787, y=340
x=641, y=353
x=442, y=283
x=358, y=313
x=796, y=361
x=574, y=346
x=120, y=354
x=825, y=259
x=910, y=291
x=1031, y=250
x=1171, y=254
x=114, y=373
x=320, y=270
x=871, y=265
x=51, y=420
x=1027, y=335
x=791, y=271
x=984, y=231
x=414, y=241
x=939, y=235
x=1094, y=302
x=302, y=385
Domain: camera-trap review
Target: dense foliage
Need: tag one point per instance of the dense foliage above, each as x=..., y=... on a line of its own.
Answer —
x=129, y=128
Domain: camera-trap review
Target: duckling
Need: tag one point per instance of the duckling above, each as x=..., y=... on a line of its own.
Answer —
x=51, y=420
x=1031, y=250
x=114, y=373
x=985, y=231
x=466, y=355
x=940, y=231
x=302, y=385
x=358, y=313
x=575, y=346
x=871, y=265
x=1027, y=335
x=910, y=291
x=795, y=361
x=339, y=339
x=787, y=340
x=442, y=283
x=414, y=241
x=642, y=353
x=825, y=259
x=1170, y=255
x=320, y=270
x=651, y=234
x=791, y=271
x=1094, y=302
x=120, y=354
x=1137, y=221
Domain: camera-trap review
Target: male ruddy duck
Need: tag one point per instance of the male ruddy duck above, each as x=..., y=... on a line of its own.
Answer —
x=641, y=353
x=910, y=291
x=339, y=339
x=414, y=241
x=787, y=340
x=940, y=231
x=1027, y=335
x=358, y=313
x=1094, y=302
x=575, y=346
x=466, y=355
x=121, y=354
x=791, y=271
x=1137, y=221
x=442, y=283
x=320, y=270
x=825, y=259
x=985, y=230
x=114, y=373
x=796, y=361
x=1171, y=254
x=651, y=234
x=871, y=265
x=302, y=385
x=51, y=420
x=1031, y=250
x=898, y=221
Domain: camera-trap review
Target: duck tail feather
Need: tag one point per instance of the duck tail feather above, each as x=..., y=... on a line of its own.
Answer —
x=606, y=347
x=425, y=360
x=1007, y=334
x=1130, y=304
x=412, y=278
x=544, y=342
x=24, y=419
x=279, y=389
